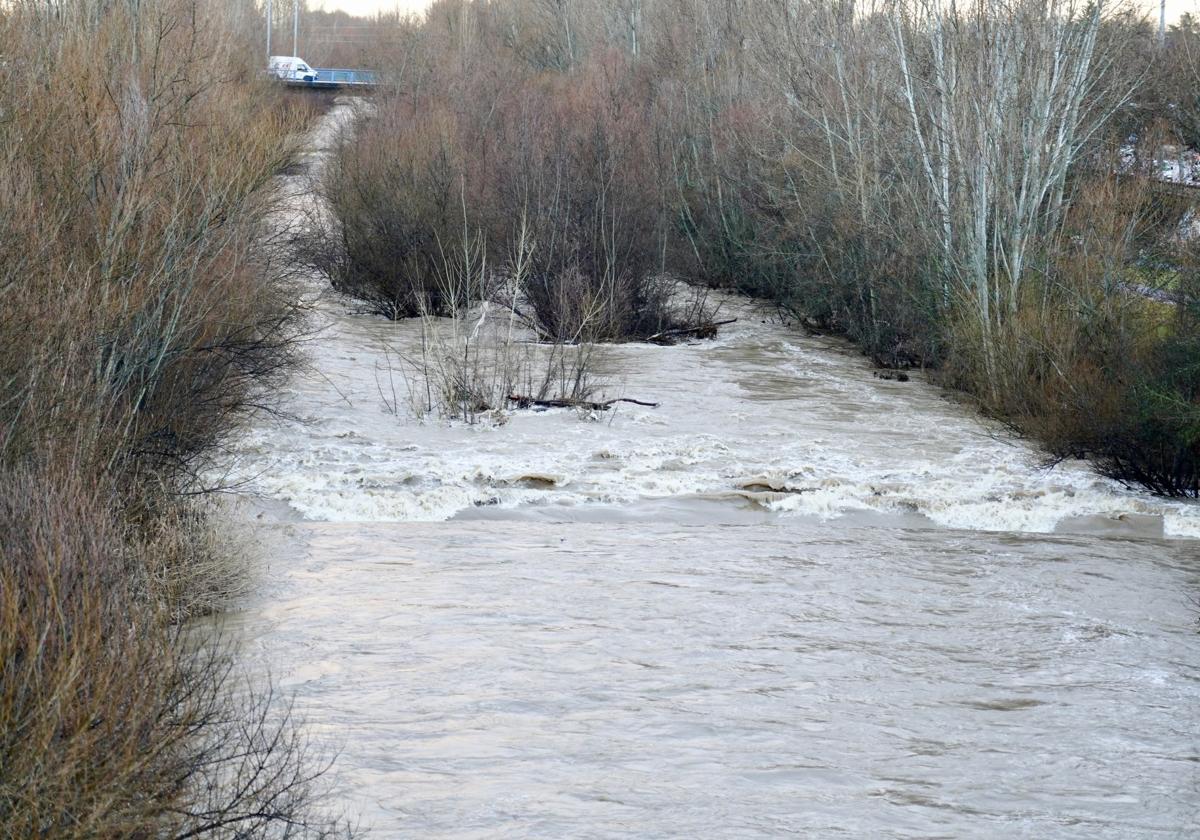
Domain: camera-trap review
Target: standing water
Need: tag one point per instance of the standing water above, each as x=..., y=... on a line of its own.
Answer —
x=792, y=599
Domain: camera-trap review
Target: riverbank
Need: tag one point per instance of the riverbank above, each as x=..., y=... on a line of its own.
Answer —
x=143, y=322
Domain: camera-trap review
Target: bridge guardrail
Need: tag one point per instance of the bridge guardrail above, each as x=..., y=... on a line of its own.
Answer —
x=331, y=78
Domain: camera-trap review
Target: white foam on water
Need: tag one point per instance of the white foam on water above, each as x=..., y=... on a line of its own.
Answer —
x=825, y=438
x=1182, y=523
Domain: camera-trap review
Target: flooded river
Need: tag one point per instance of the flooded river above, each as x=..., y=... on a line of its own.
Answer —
x=793, y=599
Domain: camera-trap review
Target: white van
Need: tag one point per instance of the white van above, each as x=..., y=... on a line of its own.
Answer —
x=290, y=68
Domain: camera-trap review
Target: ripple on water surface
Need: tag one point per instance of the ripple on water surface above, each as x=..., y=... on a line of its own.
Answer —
x=524, y=679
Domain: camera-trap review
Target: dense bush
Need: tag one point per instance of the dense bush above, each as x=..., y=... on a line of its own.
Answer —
x=140, y=312
x=114, y=720
x=143, y=317
x=558, y=173
x=1103, y=360
x=393, y=190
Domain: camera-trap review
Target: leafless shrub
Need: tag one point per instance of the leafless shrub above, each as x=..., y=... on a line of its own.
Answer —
x=566, y=162
x=475, y=359
x=142, y=321
x=114, y=720
x=392, y=191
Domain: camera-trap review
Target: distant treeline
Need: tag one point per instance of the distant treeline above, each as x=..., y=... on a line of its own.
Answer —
x=938, y=183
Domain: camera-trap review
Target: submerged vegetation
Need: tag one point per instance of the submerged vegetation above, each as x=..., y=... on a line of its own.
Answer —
x=142, y=319
x=939, y=184
x=475, y=360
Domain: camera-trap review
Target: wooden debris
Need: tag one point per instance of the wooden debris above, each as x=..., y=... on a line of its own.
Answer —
x=533, y=402
x=707, y=330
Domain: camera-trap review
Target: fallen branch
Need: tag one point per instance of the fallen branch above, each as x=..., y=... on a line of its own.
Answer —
x=530, y=402
x=707, y=330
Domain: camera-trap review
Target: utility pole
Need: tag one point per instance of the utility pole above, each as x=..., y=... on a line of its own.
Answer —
x=270, y=3
x=1162, y=22
x=296, y=27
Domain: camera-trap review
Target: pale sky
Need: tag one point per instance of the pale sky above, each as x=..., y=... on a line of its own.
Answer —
x=1176, y=7
x=369, y=7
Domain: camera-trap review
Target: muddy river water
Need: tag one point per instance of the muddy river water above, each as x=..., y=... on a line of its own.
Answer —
x=793, y=599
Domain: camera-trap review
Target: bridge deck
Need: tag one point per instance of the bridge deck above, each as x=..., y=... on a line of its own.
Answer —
x=332, y=78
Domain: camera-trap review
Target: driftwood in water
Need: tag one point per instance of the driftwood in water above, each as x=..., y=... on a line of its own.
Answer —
x=529, y=402
x=707, y=330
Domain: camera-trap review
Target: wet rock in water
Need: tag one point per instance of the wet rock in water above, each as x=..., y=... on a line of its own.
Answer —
x=533, y=481
x=891, y=375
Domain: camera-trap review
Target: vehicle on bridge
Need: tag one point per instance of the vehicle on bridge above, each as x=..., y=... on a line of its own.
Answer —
x=291, y=68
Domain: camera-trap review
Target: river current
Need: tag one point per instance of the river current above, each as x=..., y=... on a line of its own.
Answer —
x=793, y=599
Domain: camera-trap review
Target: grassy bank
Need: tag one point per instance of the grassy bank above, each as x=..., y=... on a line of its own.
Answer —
x=143, y=319
x=941, y=188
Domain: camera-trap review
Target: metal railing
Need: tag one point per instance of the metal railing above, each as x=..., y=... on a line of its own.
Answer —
x=331, y=78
